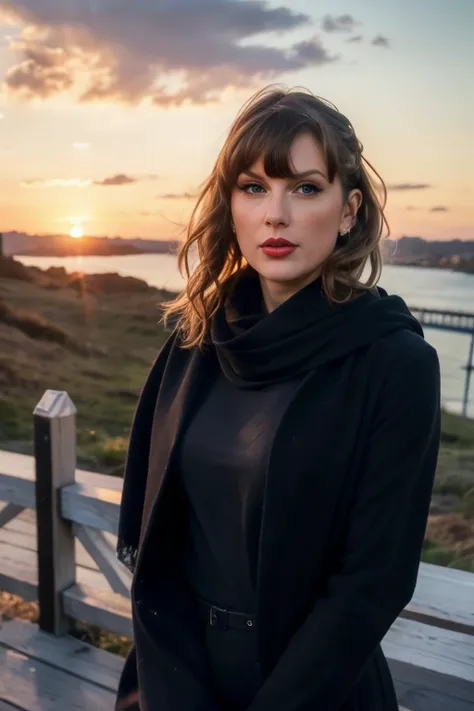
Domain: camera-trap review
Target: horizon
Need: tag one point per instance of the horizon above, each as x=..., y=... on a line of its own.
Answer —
x=175, y=239
x=110, y=121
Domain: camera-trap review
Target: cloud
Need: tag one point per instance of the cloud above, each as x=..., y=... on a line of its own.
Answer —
x=439, y=208
x=169, y=53
x=114, y=180
x=81, y=146
x=176, y=196
x=120, y=179
x=409, y=186
x=2, y=116
x=56, y=183
x=411, y=207
x=342, y=23
x=355, y=38
x=381, y=41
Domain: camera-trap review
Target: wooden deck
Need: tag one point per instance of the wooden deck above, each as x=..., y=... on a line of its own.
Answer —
x=40, y=672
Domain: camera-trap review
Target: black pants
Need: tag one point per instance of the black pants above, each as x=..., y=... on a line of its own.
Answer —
x=237, y=676
x=234, y=663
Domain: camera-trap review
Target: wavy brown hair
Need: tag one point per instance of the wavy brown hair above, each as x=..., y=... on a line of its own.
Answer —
x=266, y=127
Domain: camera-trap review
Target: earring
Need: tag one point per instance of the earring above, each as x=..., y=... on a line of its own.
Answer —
x=346, y=232
x=232, y=226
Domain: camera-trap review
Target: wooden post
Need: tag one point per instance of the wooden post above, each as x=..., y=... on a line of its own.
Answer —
x=55, y=461
x=469, y=369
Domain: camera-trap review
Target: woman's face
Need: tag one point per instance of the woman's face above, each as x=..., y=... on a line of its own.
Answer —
x=307, y=212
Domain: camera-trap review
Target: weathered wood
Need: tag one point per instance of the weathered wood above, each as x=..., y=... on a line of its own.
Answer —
x=27, y=542
x=437, y=650
x=103, y=608
x=19, y=566
x=33, y=685
x=66, y=653
x=23, y=466
x=9, y=512
x=95, y=543
x=91, y=505
x=55, y=458
x=17, y=479
x=21, y=531
x=17, y=489
x=444, y=597
x=433, y=670
x=18, y=572
x=422, y=690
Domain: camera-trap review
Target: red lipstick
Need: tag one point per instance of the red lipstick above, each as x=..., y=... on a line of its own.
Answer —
x=277, y=247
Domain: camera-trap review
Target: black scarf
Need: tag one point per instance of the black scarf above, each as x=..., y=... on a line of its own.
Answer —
x=256, y=348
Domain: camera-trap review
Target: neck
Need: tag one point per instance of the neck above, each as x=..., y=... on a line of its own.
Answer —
x=276, y=293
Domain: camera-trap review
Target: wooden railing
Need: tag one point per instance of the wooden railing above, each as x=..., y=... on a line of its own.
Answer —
x=58, y=529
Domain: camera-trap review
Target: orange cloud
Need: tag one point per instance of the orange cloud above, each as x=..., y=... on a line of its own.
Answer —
x=96, y=54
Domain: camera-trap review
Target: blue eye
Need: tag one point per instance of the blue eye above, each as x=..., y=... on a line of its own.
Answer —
x=313, y=188
x=246, y=187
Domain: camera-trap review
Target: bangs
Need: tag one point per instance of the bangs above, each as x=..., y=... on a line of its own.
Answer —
x=270, y=137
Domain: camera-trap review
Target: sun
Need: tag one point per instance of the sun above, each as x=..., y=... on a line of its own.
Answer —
x=77, y=232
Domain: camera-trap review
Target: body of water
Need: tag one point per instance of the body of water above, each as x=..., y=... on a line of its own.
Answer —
x=420, y=287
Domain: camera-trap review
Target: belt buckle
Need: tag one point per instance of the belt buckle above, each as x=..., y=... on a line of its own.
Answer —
x=212, y=616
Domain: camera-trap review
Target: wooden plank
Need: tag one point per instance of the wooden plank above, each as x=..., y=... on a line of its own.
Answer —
x=18, y=490
x=90, y=505
x=27, y=542
x=23, y=466
x=18, y=573
x=17, y=481
x=33, y=685
x=444, y=598
x=66, y=653
x=9, y=512
x=105, y=609
x=95, y=543
x=422, y=690
x=435, y=650
x=21, y=531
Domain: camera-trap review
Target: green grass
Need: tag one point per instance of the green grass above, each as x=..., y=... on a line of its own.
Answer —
x=116, y=337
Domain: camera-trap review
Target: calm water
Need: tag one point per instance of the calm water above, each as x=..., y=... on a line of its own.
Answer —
x=429, y=288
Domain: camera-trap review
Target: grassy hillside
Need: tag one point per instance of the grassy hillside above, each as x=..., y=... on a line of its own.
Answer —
x=94, y=337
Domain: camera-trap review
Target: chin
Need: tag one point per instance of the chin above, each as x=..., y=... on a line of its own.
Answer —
x=282, y=271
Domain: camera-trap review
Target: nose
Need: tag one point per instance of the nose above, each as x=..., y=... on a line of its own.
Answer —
x=277, y=213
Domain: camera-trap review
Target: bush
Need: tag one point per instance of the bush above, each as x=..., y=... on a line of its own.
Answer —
x=10, y=269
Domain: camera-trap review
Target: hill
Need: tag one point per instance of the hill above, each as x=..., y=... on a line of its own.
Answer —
x=413, y=250
x=21, y=244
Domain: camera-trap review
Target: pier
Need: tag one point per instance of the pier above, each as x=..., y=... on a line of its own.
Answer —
x=457, y=322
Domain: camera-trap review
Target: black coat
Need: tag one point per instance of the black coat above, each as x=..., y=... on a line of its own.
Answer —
x=346, y=502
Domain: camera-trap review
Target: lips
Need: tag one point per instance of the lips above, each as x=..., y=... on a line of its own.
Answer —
x=278, y=242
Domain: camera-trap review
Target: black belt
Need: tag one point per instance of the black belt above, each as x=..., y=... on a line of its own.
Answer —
x=225, y=619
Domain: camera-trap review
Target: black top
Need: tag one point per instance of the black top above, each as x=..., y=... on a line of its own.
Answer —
x=222, y=462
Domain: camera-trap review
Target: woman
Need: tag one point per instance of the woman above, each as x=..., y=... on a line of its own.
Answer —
x=283, y=451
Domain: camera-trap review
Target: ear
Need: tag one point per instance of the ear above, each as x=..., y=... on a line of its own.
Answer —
x=350, y=210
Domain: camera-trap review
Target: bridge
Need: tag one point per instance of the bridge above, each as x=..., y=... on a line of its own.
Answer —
x=455, y=321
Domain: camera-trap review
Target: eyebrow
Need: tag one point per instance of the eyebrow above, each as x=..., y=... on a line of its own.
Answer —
x=295, y=175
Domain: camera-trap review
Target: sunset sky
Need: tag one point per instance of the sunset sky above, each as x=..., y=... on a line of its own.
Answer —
x=112, y=111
